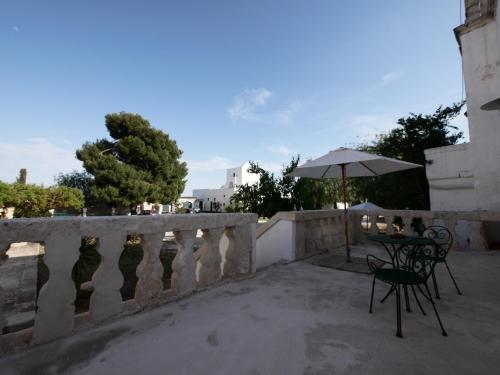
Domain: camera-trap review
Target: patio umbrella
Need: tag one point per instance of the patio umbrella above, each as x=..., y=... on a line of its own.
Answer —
x=365, y=206
x=346, y=162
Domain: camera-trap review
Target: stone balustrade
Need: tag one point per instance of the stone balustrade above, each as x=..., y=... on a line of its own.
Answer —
x=294, y=235
x=467, y=227
x=216, y=260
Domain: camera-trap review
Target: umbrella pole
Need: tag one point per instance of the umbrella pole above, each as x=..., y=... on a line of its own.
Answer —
x=346, y=224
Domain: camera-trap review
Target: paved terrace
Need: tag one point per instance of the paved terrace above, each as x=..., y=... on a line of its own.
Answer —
x=292, y=319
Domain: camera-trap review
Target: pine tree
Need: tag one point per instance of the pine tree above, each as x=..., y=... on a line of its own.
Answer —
x=141, y=163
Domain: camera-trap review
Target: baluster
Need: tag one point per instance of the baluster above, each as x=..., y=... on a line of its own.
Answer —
x=373, y=223
x=389, y=229
x=231, y=266
x=55, y=315
x=406, y=223
x=427, y=221
x=4, y=246
x=478, y=239
x=210, y=258
x=150, y=270
x=451, y=223
x=184, y=263
x=106, y=300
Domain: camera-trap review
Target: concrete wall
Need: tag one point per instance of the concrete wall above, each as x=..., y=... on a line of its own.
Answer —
x=276, y=245
x=480, y=45
x=465, y=177
x=451, y=181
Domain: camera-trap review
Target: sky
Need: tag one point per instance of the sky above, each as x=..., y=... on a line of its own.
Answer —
x=229, y=80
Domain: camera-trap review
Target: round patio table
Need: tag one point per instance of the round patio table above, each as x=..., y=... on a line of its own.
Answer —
x=391, y=243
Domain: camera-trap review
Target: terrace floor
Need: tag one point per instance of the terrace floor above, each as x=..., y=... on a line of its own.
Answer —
x=292, y=319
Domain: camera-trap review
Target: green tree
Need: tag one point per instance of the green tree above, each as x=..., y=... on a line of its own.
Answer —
x=32, y=200
x=6, y=195
x=79, y=180
x=415, y=133
x=22, y=176
x=272, y=194
x=140, y=164
x=312, y=194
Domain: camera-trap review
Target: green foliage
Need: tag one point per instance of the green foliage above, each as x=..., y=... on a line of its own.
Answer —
x=34, y=200
x=273, y=194
x=408, y=189
x=22, y=176
x=6, y=195
x=79, y=180
x=141, y=164
x=263, y=198
x=312, y=194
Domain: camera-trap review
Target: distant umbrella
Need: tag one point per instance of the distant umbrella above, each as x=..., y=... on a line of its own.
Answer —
x=367, y=206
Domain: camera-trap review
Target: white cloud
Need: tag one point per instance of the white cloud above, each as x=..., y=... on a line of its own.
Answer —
x=391, y=77
x=42, y=158
x=246, y=105
x=286, y=115
x=280, y=150
x=214, y=163
x=15, y=28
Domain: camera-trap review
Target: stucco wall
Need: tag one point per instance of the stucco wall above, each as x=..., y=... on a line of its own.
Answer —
x=276, y=245
x=451, y=181
x=481, y=69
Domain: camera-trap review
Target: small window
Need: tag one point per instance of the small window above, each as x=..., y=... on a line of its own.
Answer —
x=234, y=174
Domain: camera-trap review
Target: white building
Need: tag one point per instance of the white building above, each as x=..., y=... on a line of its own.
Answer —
x=218, y=199
x=466, y=176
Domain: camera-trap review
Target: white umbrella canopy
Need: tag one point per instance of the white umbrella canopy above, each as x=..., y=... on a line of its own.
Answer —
x=346, y=162
x=357, y=164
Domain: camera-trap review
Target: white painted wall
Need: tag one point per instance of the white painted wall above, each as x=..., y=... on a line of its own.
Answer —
x=234, y=177
x=481, y=69
x=466, y=177
x=276, y=244
x=451, y=181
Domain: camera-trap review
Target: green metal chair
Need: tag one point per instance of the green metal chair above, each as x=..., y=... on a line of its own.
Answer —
x=444, y=240
x=411, y=267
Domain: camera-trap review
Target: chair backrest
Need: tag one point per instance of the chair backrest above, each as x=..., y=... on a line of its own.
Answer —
x=418, y=255
x=442, y=236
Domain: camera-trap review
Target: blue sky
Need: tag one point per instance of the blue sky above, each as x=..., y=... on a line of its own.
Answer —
x=230, y=81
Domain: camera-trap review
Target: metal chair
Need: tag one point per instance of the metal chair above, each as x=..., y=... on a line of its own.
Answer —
x=412, y=268
x=444, y=239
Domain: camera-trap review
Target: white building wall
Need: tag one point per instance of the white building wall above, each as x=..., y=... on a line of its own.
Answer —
x=235, y=177
x=451, y=181
x=466, y=177
x=481, y=69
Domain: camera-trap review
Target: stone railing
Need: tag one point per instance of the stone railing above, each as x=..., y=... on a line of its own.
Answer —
x=227, y=251
x=467, y=227
x=295, y=235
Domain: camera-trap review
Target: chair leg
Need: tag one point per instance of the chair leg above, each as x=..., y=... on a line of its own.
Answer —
x=416, y=299
x=452, y=278
x=407, y=299
x=371, y=298
x=393, y=288
x=435, y=310
x=398, y=311
x=434, y=282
